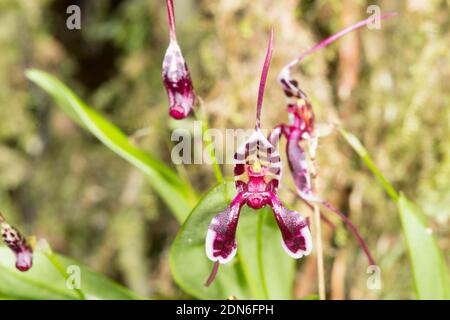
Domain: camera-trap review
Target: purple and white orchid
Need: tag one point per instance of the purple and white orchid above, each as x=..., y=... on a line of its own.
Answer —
x=301, y=127
x=175, y=73
x=257, y=171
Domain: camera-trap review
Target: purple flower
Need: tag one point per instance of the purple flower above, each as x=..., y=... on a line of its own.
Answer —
x=257, y=171
x=176, y=76
x=18, y=244
x=301, y=128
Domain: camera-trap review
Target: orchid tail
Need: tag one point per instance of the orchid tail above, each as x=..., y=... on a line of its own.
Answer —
x=257, y=171
x=262, y=82
x=213, y=274
x=290, y=86
x=336, y=36
x=352, y=228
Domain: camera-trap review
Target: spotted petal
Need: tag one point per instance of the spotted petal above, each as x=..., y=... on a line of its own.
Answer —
x=221, y=242
x=297, y=241
x=299, y=167
x=257, y=149
x=18, y=244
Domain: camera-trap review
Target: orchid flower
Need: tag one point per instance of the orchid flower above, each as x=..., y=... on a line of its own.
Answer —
x=257, y=171
x=301, y=127
x=18, y=244
x=175, y=73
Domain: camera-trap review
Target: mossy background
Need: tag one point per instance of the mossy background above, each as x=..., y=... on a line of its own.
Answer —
x=390, y=87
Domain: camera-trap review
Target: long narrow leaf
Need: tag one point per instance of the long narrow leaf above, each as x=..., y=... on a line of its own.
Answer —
x=43, y=281
x=428, y=265
x=430, y=272
x=178, y=196
x=354, y=142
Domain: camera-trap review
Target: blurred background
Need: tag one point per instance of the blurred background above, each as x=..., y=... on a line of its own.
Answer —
x=390, y=87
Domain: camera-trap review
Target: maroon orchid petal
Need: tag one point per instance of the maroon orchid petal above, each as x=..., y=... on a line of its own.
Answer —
x=257, y=170
x=24, y=258
x=176, y=76
x=221, y=242
x=299, y=167
x=17, y=243
x=276, y=133
x=300, y=172
x=257, y=165
x=294, y=229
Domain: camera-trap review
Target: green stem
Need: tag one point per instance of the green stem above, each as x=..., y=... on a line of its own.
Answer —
x=201, y=116
x=259, y=249
x=57, y=264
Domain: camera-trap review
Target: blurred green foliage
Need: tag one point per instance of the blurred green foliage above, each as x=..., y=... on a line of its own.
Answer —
x=390, y=87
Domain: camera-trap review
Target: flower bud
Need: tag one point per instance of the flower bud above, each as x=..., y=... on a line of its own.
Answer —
x=175, y=73
x=178, y=83
x=18, y=244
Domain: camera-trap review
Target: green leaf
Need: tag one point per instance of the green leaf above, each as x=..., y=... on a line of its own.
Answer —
x=261, y=269
x=354, y=142
x=428, y=265
x=429, y=269
x=178, y=195
x=44, y=282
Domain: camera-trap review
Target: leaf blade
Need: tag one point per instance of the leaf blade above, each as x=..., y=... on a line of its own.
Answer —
x=428, y=265
x=430, y=273
x=178, y=196
x=43, y=280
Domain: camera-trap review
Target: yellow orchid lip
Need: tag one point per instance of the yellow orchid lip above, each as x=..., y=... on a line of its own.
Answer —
x=256, y=167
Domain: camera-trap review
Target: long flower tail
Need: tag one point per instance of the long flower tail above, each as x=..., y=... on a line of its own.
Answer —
x=302, y=180
x=352, y=228
x=213, y=274
x=289, y=85
x=262, y=83
x=336, y=36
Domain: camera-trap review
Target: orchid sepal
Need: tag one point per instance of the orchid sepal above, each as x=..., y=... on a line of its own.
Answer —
x=221, y=244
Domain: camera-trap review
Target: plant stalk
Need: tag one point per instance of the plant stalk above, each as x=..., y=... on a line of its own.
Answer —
x=201, y=116
x=317, y=227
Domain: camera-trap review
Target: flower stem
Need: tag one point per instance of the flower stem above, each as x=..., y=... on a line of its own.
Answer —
x=317, y=226
x=260, y=249
x=171, y=16
x=319, y=250
x=201, y=116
